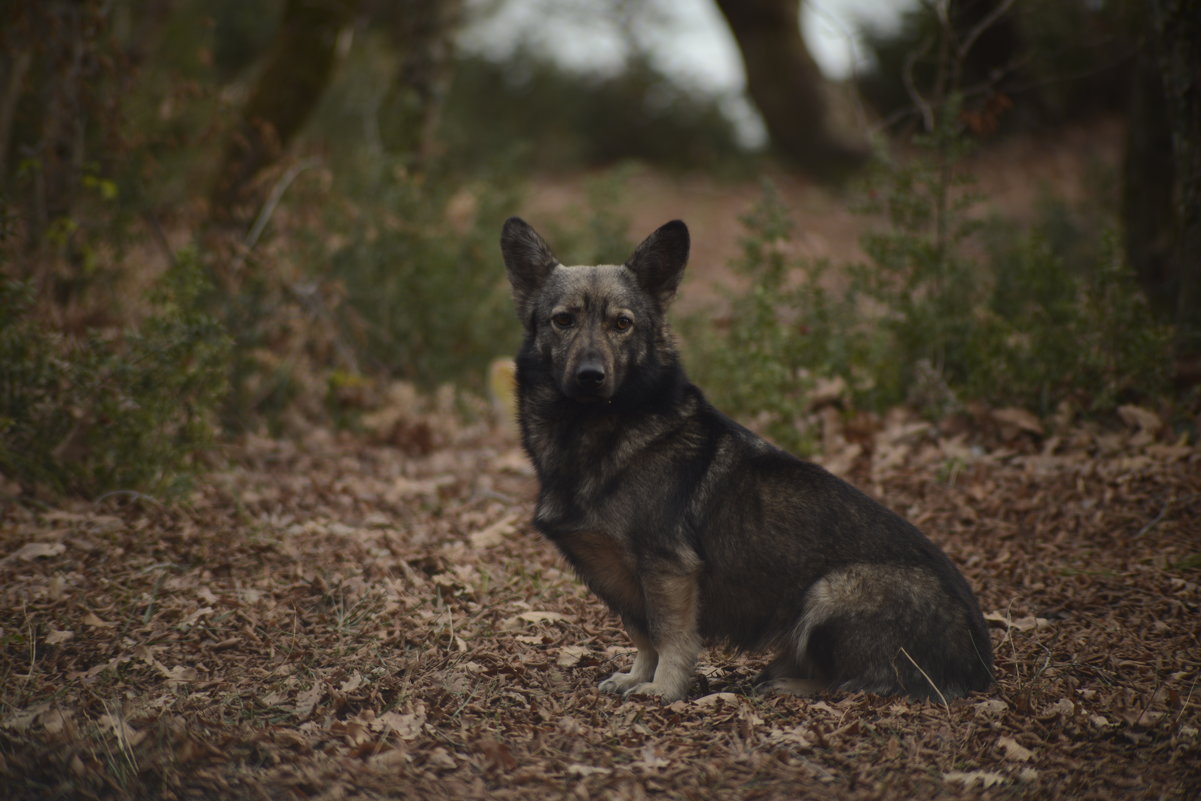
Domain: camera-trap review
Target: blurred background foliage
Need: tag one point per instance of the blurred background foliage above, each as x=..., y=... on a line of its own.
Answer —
x=246, y=215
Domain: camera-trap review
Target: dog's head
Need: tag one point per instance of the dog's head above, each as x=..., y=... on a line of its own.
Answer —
x=592, y=324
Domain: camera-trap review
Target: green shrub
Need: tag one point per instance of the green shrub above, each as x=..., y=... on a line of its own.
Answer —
x=103, y=413
x=919, y=274
x=1049, y=335
x=783, y=333
x=932, y=318
x=426, y=297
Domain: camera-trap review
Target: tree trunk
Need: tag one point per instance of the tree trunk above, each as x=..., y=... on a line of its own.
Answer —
x=1177, y=32
x=61, y=75
x=785, y=84
x=298, y=67
x=424, y=33
x=1148, y=211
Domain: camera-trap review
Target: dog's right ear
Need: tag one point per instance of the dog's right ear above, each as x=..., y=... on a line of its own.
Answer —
x=528, y=261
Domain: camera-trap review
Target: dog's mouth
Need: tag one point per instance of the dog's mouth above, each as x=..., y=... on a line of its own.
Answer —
x=588, y=395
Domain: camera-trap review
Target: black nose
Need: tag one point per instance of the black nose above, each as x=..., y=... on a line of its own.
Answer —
x=590, y=375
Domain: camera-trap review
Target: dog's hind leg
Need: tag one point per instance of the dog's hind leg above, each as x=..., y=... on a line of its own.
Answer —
x=789, y=675
x=889, y=630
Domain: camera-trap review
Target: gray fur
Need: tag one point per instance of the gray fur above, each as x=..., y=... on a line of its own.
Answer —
x=695, y=530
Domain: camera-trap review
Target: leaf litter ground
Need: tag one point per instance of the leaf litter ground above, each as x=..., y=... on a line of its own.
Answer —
x=371, y=617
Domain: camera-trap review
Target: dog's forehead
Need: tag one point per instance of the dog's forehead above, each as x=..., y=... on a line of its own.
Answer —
x=590, y=285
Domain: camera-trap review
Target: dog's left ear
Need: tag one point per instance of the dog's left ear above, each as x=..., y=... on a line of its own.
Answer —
x=528, y=260
x=659, y=261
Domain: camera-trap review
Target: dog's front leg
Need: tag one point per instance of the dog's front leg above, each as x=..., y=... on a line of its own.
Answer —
x=671, y=612
x=643, y=669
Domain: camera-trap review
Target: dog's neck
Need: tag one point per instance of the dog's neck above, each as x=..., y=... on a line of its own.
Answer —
x=554, y=425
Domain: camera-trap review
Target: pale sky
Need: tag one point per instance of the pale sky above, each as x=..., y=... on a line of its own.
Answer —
x=688, y=39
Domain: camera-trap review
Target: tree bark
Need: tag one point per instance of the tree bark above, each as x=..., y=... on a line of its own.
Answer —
x=1177, y=32
x=298, y=67
x=785, y=84
x=1148, y=211
x=424, y=34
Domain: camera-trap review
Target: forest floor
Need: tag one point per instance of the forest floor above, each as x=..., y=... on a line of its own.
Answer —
x=371, y=616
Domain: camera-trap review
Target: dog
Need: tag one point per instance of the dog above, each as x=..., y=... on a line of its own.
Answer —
x=696, y=531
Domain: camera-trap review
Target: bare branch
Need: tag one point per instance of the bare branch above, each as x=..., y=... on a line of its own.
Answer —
x=968, y=41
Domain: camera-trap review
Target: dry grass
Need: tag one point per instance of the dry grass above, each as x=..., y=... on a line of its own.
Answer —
x=355, y=618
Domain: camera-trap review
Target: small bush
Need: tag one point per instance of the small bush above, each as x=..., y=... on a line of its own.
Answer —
x=932, y=319
x=785, y=332
x=107, y=412
x=426, y=297
x=1049, y=335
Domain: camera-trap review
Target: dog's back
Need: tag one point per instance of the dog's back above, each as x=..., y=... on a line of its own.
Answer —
x=694, y=529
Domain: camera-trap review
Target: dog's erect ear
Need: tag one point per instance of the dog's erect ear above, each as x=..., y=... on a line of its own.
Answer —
x=528, y=260
x=659, y=261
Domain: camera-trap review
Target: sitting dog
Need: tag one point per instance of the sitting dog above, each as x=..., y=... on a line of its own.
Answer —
x=695, y=530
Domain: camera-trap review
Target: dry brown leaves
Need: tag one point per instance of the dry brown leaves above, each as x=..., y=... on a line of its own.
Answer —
x=340, y=619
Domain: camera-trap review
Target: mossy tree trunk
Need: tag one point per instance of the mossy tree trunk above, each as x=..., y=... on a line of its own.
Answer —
x=785, y=84
x=62, y=75
x=1161, y=196
x=1148, y=169
x=298, y=67
x=424, y=34
x=1177, y=34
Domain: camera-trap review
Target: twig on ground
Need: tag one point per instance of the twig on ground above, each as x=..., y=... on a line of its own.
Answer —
x=926, y=676
x=1164, y=512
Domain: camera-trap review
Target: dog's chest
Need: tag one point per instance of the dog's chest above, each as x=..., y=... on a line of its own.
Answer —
x=608, y=566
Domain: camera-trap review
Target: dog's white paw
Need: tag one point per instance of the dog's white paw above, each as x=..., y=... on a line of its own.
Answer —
x=620, y=683
x=667, y=693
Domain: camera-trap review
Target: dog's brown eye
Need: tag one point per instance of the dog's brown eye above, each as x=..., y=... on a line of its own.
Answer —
x=563, y=320
x=623, y=323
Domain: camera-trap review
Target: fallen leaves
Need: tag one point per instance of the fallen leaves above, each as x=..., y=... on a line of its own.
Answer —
x=91, y=619
x=1019, y=420
x=36, y=550
x=1025, y=623
x=341, y=618
x=535, y=616
x=495, y=534
x=1013, y=750
x=984, y=778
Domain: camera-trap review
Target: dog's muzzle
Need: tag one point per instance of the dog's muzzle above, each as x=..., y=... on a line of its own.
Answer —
x=589, y=382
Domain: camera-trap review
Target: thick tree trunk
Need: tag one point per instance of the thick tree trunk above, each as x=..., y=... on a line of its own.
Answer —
x=1177, y=32
x=785, y=84
x=1148, y=211
x=297, y=69
x=424, y=33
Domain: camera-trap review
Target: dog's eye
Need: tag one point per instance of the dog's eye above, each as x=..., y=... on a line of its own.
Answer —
x=623, y=323
x=563, y=320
